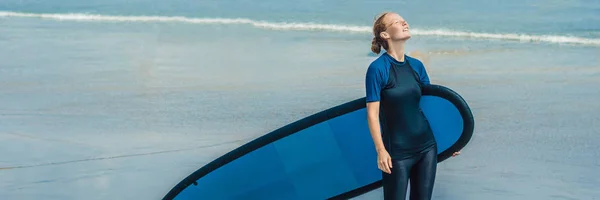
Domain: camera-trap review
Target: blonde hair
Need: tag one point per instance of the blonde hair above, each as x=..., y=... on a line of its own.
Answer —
x=379, y=26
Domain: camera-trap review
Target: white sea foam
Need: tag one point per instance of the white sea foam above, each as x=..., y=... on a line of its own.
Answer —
x=287, y=26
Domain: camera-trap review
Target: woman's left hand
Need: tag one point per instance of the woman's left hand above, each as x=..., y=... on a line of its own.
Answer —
x=456, y=154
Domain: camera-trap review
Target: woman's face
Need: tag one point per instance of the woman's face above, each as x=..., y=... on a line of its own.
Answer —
x=397, y=28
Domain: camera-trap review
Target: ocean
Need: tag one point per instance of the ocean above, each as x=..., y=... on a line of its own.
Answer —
x=123, y=99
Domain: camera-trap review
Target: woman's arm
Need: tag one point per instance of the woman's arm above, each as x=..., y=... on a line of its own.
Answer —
x=374, y=127
x=384, y=161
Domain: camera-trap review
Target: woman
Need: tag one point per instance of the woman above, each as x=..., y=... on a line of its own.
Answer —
x=406, y=148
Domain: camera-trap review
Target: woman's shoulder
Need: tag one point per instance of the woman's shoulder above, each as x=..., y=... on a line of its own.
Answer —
x=413, y=60
x=380, y=63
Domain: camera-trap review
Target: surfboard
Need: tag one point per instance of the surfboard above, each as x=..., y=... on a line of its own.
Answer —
x=328, y=155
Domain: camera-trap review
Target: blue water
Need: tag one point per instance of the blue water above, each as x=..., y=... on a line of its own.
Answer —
x=123, y=99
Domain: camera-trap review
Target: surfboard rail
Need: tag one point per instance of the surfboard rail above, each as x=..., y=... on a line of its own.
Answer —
x=268, y=138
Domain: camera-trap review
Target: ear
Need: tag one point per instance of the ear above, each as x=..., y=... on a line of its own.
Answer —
x=384, y=35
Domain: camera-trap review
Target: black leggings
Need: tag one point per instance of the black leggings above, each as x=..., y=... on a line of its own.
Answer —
x=421, y=170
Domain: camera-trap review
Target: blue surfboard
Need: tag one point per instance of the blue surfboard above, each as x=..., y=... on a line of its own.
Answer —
x=328, y=155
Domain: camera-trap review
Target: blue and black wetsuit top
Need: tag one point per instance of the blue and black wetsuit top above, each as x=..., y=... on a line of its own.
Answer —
x=397, y=87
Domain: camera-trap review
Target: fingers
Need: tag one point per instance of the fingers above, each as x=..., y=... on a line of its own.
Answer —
x=384, y=162
x=385, y=165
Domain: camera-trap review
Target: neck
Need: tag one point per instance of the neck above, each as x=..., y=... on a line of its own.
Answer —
x=396, y=50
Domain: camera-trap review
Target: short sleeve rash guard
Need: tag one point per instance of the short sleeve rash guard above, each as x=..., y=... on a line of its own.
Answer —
x=378, y=73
